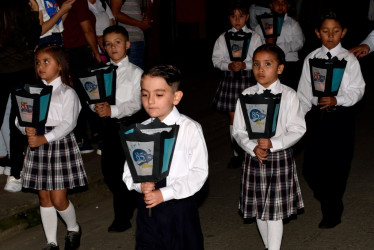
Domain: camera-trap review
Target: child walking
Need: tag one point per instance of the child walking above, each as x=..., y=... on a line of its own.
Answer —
x=127, y=103
x=236, y=75
x=175, y=222
x=63, y=169
x=270, y=190
x=330, y=121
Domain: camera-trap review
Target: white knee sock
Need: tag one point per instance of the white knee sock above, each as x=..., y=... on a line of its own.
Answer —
x=233, y=141
x=275, y=233
x=271, y=233
x=68, y=215
x=263, y=229
x=49, y=221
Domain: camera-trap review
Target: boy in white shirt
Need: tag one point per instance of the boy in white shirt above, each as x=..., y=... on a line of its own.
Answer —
x=175, y=222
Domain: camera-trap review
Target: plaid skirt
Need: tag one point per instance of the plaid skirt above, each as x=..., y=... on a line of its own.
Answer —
x=229, y=89
x=270, y=191
x=54, y=166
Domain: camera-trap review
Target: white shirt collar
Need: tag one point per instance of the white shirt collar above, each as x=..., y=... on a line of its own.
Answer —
x=274, y=88
x=334, y=51
x=245, y=29
x=124, y=61
x=55, y=83
x=172, y=117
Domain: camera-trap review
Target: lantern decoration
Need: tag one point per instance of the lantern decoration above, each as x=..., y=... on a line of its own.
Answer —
x=32, y=102
x=326, y=75
x=260, y=113
x=149, y=149
x=238, y=44
x=99, y=84
x=271, y=24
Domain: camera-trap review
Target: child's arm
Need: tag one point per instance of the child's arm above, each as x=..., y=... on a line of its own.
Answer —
x=304, y=90
x=293, y=38
x=253, y=45
x=220, y=57
x=103, y=109
x=153, y=198
x=262, y=149
x=326, y=102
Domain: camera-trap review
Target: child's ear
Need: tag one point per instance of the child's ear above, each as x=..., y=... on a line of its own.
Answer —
x=344, y=32
x=317, y=33
x=128, y=45
x=280, y=69
x=177, y=97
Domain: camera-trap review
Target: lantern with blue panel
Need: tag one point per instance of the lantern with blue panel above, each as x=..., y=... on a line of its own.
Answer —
x=99, y=84
x=260, y=113
x=326, y=75
x=238, y=44
x=271, y=24
x=32, y=102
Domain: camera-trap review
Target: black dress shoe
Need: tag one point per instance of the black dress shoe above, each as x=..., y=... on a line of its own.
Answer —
x=51, y=246
x=118, y=227
x=73, y=239
x=326, y=224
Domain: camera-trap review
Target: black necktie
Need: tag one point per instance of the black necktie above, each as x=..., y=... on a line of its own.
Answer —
x=328, y=55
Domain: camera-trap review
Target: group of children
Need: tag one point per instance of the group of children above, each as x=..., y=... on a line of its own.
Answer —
x=270, y=190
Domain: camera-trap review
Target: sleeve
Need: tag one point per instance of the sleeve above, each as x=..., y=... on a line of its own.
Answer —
x=304, y=90
x=220, y=57
x=20, y=128
x=70, y=110
x=354, y=88
x=197, y=155
x=294, y=121
x=369, y=40
x=128, y=99
x=109, y=12
x=240, y=131
x=127, y=179
x=255, y=43
x=294, y=38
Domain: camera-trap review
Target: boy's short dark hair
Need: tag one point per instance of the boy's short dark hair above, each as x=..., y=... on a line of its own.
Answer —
x=116, y=29
x=169, y=73
x=330, y=14
x=240, y=5
x=272, y=48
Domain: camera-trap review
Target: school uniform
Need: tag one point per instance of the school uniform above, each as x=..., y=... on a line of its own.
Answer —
x=175, y=223
x=271, y=191
x=329, y=141
x=232, y=83
x=127, y=103
x=58, y=164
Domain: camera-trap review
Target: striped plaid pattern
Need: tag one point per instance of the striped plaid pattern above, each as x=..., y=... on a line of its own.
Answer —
x=271, y=191
x=54, y=166
x=229, y=89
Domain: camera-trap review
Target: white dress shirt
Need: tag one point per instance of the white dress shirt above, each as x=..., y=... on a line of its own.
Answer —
x=369, y=40
x=290, y=127
x=352, y=86
x=63, y=111
x=221, y=57
x=189, y=166
x=290, y=40
x=128, y=99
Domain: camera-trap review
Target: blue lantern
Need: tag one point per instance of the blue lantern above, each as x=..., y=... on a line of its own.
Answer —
x=260, y=113
x=32, y=102
x=326, y=75
x=99, y=84
x=238, y=44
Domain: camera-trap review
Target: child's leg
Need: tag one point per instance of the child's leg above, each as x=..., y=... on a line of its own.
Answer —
x=49, y=216
x=263, y=229
x=65, y=208
x=271, y=233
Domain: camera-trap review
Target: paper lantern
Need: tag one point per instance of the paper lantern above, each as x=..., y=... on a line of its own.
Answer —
x=238, y=44
x=271, y=24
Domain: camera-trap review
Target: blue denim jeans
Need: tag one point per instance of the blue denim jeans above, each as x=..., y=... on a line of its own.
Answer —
x=136, y=53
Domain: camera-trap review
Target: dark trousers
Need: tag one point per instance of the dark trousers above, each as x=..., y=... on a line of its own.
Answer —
x=17, y=139
x=328, y=154
x=112, y=165
x=80, y=59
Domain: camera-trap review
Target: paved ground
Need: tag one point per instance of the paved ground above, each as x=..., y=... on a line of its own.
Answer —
x=223, y=228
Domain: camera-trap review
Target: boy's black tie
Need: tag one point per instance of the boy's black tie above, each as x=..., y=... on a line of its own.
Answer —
x=328, y=55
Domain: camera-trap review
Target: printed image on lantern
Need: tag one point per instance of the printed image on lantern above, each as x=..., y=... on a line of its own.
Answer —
x=260, y=113
x=271, y=24
x=32, y=102
x=99, y=84
x=326, y=75
x=237, y=44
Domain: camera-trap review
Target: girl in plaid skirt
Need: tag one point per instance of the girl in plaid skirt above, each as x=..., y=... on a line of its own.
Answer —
x=236, y=75
x=53, y=163
x=270, y=190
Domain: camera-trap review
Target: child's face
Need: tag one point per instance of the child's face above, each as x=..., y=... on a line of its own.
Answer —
x=47, y=67
x=158, y=98
x=238, y=19
x=279, y=6
x=116, y=46
x=266, y=68
x=330, y=33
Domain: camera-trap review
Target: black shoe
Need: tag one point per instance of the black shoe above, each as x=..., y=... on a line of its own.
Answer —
x=51, y=246
x=235, y=162
x=73, y=239
x=118, y=227
x=326, y=224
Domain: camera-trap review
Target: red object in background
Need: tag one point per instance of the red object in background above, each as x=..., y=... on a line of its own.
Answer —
x=190, y=11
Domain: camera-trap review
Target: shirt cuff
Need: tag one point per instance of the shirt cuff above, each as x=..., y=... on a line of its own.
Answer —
x=49, y=136
x=167, y=193
x=114, y=111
